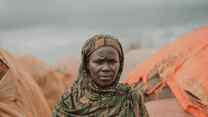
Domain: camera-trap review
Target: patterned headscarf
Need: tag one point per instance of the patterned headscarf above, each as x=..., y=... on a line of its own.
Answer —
x=86, y=99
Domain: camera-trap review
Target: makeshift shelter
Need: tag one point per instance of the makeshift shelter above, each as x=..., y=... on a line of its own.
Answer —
x=165, y=108
x=20, y=96
x=67, y=68
x=47, y=79
x=179, y=68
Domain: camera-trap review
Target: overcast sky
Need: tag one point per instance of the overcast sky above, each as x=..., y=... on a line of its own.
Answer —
x=50, y=29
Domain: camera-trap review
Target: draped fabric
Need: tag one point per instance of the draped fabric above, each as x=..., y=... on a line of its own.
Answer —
x=20, y=96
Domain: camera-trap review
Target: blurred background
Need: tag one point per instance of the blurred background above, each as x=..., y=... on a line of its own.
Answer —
x=52, y=29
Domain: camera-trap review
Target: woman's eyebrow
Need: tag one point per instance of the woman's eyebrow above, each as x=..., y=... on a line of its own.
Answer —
x=101, y=56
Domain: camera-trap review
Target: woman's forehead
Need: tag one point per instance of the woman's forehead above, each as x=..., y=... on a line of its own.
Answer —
x=105, y=51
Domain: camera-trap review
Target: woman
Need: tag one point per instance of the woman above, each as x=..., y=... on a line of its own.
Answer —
x=97, y=91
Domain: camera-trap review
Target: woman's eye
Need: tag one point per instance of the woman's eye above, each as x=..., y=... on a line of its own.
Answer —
x=107, y=61
x=98, y=61
x=112, y=61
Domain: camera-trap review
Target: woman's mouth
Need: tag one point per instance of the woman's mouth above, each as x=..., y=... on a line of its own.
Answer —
x=109, y=77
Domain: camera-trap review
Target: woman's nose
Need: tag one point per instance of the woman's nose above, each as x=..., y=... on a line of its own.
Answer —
x=106, y=67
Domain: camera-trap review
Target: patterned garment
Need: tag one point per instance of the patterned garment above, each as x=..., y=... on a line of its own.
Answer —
x=86, y=99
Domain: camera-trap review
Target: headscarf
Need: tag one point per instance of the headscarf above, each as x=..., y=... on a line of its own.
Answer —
x=86, y=99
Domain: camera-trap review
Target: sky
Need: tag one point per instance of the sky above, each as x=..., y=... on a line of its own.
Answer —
x=51, y=29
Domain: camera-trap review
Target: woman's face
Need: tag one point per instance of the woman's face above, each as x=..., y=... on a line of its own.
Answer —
x=103, y=66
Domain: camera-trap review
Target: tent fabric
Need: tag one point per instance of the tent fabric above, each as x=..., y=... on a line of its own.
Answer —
x=191, y=78
x=52, y=87
x=19, y=94
x=48, y=80
x=180, y=67
x=166, y=108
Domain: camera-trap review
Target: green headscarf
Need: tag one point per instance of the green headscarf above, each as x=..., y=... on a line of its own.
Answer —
x=86, y=99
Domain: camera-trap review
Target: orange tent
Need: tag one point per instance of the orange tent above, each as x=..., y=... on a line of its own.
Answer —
x=47, y=79
x=180, y=66
x=19, y=94
x=165, y=108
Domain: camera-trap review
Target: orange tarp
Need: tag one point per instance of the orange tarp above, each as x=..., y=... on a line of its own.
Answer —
x=182, y=66
x=165, y=108
x=19, y=94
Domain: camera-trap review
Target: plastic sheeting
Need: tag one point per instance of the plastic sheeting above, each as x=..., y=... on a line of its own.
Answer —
x=180, y=67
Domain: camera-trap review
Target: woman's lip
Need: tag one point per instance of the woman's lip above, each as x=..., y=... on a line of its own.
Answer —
x=105, y=77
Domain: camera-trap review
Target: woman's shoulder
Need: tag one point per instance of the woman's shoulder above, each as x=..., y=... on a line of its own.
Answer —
x=123, y=87
x=131, y=91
